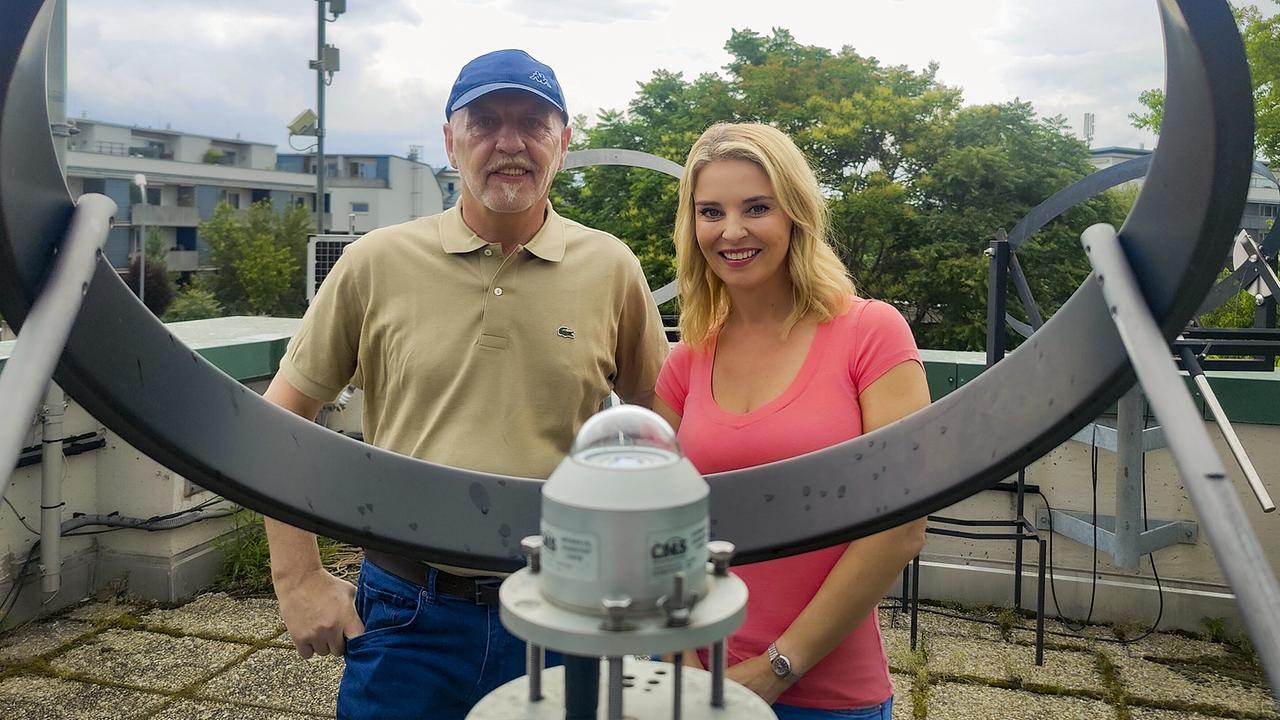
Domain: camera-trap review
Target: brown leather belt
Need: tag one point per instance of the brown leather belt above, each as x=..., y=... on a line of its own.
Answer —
x=482, y=590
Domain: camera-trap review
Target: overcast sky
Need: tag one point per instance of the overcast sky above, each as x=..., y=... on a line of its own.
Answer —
x=240, y=66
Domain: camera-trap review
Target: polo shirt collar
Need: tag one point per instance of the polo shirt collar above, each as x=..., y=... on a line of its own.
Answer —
x=548, y=243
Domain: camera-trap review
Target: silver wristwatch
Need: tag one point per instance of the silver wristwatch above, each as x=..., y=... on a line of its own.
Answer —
x=781, y=664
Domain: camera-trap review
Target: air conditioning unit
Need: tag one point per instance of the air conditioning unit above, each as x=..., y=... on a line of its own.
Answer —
x=322, y=252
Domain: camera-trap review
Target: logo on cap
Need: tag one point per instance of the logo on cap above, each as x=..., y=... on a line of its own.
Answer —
x=538, y=77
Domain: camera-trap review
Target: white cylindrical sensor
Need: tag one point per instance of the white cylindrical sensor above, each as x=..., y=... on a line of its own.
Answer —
x=622, y=515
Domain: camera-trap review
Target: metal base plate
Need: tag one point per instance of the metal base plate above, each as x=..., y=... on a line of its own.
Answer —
x=647, y=694
x=530, y=616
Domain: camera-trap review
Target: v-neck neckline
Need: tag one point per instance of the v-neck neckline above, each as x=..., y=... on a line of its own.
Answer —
x=797, y=385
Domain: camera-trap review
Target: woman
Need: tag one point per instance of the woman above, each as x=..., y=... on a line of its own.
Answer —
x=779, y=357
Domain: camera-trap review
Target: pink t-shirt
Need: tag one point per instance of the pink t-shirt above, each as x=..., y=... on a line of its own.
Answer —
x=819, y=409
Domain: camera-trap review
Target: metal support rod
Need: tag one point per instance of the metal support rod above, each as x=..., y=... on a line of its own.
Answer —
x=45, y=330
x=51, y=461
x=581, y=687
x=997, y=296
x=915, y=600
x=615, y=688
x=1040, y=607
x=1017, y=544
x=1024, y=292
x=320, y=70
x=1129, y=421
x=677, y=684
x=1235, y=545
x=1228, y=432
x=717, y=674
x=533, y=668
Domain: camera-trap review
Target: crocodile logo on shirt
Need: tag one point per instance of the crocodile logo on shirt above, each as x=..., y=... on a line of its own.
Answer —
x=566, y=332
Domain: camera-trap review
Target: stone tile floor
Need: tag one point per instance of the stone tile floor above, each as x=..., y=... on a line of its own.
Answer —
x=224, y=658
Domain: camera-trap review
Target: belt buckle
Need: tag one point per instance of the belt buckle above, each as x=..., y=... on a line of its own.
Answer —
x=486, y=591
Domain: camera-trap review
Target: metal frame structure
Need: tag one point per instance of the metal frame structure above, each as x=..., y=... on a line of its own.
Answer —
x=126, y=369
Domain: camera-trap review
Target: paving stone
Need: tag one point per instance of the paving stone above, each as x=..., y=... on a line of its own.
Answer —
x=1168, y=645
x=31, y=697
x=40, y=638
x=953, y=701
x=902, y=705
x=101, y=612
x=931, y=623
x=1195, y=685
x=278, y=678
x=1145, y=714
x=202, y=710
x=1004, y=662
x=148, y=660
x=219, y=615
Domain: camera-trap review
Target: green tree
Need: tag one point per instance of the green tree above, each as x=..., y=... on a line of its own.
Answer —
x=193, y=303
x=916, y=184
x=1261, y=35
x=259, y=255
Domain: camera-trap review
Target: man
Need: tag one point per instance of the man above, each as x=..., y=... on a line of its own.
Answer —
x=483, y=338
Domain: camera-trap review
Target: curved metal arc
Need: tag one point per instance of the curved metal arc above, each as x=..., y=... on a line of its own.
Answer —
x=129, y=372
x=619, y=157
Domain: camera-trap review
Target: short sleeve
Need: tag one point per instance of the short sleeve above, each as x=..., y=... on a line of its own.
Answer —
x=673, y=379
x=882, y=341
x=323, y=354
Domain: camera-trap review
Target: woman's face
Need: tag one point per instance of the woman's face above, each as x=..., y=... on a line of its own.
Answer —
x=741, y=229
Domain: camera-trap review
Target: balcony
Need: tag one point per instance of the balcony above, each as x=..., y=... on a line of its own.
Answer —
x=164, y=215
x=356, y=182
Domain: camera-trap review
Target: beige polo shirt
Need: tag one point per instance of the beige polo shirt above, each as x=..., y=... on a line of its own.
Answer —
x=471, y=359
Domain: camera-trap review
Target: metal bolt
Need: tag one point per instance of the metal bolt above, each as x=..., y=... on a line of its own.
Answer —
x=1259, y=299
x=989, y=252
x=615, y=613
x=676, y=605
x=532, y=545
x=720, y=552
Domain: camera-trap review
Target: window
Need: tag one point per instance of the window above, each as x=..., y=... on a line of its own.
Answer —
x=153, y=196
x=186, y=196
x=359, y=207
x=231, y=198
x=95, y=185
x=450, y=188
x=1268, y=211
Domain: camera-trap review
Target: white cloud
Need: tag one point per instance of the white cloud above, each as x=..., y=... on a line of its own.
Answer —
x=241, y=65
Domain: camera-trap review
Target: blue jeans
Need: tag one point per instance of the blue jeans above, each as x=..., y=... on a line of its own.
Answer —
x=422, y=654
x=883, y=711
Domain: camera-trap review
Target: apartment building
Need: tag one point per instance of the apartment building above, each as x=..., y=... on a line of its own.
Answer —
x=188, y=175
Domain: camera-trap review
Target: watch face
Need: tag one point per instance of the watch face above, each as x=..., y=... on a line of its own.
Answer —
x=781, y=666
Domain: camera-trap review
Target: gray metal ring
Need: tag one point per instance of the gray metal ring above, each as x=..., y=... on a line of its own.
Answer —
x=127, y=370
x=635, y=159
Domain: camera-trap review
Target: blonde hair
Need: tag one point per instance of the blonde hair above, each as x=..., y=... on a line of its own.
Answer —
x=820, y=283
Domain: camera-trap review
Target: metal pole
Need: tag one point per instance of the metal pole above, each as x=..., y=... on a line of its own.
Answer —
x=533, y=668
x=997, y=296
x=320, y=21
x=51, y=461
x=47, y=326
x=615, y=688
x=581, y=687
x=1229, y=433
x=718, y=662
x=142, y=247
x=1020, y=515
x=1235, y=545
x=1040, y=607
x=677, y=683
x=1129, y=454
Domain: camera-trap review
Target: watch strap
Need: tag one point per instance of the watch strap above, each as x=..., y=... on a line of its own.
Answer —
x=774, y=654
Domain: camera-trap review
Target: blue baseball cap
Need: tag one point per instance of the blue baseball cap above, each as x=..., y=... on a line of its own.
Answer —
x=501, y=70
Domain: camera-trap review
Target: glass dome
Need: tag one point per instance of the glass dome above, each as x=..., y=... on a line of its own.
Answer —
x=626, y=436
